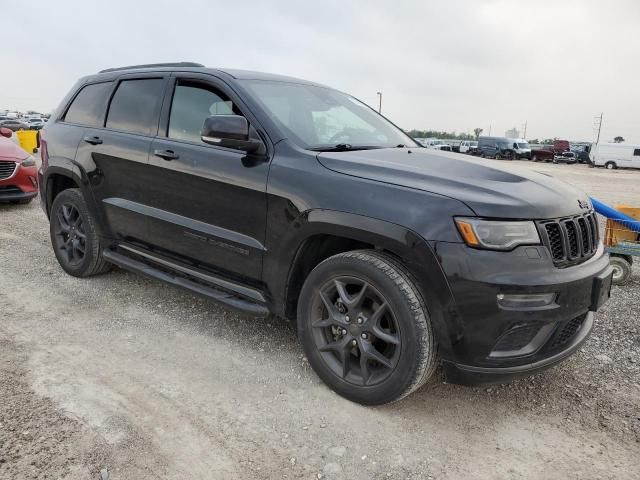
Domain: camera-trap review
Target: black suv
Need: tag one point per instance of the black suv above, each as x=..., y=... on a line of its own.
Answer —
x=274, y=195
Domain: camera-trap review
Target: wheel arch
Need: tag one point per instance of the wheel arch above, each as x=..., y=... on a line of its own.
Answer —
x=324, y=233
x=58, y=178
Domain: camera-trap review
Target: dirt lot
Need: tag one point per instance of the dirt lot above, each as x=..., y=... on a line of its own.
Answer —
x=122, y=374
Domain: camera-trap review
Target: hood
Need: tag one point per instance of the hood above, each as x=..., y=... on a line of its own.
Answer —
x=11, y=151
x=491, y=188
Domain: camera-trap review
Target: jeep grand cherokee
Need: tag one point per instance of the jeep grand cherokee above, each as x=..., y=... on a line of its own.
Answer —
x=274, y=195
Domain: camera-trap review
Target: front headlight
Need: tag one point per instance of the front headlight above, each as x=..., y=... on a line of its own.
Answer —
x=28, y=162
x=497, y=234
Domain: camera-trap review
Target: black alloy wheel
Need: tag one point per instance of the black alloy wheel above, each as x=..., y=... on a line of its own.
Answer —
x=356, y=331
x=74, y=235
x=365, y=327
x=69, y=234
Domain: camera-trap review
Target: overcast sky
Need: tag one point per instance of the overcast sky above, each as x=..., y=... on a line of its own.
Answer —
x=442, y=65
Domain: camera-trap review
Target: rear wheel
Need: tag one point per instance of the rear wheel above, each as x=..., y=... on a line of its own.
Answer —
x=621, y=269
x=365, y=328
x=74, y=236
x=610, y=165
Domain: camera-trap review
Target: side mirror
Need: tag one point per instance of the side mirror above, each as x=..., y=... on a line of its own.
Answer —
x=230, y=131
x=5, y=132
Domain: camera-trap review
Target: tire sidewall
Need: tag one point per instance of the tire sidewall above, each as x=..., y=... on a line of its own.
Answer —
x=412, y=339
x=74, y=197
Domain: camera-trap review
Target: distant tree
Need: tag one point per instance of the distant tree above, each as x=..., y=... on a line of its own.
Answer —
x=477, y=131
x=618, y=139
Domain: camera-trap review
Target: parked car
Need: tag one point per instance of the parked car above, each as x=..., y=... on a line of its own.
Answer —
x=436, y=144
x=561, y=146
x=14, y=124
x=542, y=153
x=496, y=147
x=581, y=151
x=468, y=146
x=616, y=155
x=253, y=199
x=35, y=123
x=18, y=174
x=565, y=157
x=521, y=148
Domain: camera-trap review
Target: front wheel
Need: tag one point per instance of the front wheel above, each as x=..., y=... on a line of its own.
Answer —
x=365, y=328
x=610, y=165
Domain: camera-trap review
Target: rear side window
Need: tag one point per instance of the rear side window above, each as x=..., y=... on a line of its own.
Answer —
x=89, y=105
x=636, y=152
x=135, y=106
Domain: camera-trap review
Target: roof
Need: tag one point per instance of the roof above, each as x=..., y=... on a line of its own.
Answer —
x=196, y=67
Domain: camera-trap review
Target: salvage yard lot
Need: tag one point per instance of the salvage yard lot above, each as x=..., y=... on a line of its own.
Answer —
x=123, y=373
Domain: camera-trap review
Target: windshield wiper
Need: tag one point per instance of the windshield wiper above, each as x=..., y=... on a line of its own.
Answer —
x=342, y=147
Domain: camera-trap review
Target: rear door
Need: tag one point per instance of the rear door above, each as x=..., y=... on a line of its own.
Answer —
x=209, y=202
x=120, y=151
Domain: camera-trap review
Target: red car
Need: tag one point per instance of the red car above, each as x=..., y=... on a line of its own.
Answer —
x=18, y=175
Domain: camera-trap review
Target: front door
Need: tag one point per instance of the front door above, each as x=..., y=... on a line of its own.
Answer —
x=208, y=202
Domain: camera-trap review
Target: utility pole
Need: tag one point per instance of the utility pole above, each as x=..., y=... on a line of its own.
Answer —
x=379, y=102
x=489, y=129
x=598, y=120
x=525, y=130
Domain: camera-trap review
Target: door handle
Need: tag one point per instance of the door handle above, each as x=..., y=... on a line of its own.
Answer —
x=166, y=154
x=93, y=140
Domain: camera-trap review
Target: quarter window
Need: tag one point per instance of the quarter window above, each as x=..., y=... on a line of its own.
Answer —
x=135, y=106
x=636, y=152
x=89, y=105
x=191, y=105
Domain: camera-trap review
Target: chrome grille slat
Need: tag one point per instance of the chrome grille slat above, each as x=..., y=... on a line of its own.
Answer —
x=6, y=169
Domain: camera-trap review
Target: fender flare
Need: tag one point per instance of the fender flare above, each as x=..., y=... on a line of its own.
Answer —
x=410, y=248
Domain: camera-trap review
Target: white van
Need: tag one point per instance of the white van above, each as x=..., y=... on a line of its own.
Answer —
x=521, y=148
x=615, y=155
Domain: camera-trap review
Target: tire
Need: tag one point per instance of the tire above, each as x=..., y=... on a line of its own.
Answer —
x=535, y=158
x=408, y=364
x=621, y=269
x=497, y=156
x=78, y=256
x=610, y=165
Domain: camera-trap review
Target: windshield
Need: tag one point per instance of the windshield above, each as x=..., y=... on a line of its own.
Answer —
x=320, y=118
x=523, y=145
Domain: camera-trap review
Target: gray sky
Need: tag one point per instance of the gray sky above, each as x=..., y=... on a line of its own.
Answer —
x=445, y=65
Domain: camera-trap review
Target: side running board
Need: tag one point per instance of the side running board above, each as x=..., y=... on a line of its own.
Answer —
x=230, y=300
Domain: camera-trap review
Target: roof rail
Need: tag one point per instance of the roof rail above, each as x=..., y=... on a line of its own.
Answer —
x=153, y=65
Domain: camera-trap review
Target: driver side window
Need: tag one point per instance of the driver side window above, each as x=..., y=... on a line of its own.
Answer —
x=191, y=105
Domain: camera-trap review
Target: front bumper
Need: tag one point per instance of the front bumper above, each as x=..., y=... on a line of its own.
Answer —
x=474, y=375
x=486, y=341
x=22, y=185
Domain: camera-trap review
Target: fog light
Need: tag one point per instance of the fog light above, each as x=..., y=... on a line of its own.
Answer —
x=525, y=300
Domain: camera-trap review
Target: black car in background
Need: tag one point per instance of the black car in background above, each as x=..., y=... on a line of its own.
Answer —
x=274, y=195
x=495, y=147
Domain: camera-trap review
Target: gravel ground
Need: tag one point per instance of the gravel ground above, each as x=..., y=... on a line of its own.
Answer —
x=122, y=374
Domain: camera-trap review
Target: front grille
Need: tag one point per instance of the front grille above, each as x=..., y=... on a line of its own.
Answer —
x=6, y=169
x=570, y=240
x=567, y=332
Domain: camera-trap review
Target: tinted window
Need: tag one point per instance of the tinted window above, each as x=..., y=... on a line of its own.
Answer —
x=135, y=106
x=89, y=105
x=191, y=105
x=636, y=152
